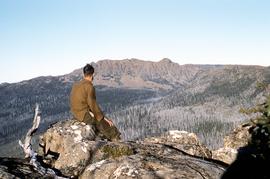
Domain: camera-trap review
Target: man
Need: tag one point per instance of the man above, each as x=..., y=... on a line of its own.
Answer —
x=84, y=106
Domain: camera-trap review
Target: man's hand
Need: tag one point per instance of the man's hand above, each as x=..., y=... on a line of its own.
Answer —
x=109, y=122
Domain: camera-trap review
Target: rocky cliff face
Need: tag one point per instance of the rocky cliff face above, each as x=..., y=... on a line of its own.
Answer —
x=134, y=73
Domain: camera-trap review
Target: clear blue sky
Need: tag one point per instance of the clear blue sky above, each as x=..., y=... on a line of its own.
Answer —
x=54, y=37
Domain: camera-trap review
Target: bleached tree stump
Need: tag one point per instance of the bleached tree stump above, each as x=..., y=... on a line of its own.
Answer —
x=27, y=147
x=30, y=153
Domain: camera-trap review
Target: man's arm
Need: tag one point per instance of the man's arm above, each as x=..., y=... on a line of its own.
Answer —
x=94, y=107
x=92, y=103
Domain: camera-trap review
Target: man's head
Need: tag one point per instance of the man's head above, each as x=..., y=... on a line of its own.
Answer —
x=88, y=71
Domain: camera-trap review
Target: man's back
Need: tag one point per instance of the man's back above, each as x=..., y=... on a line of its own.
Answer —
x=78, y=99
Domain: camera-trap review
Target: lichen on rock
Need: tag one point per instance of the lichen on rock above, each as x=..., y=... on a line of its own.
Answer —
x=116, y=151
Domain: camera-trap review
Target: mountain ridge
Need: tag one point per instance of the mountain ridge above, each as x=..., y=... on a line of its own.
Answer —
x=140, y=95
x=162, y=61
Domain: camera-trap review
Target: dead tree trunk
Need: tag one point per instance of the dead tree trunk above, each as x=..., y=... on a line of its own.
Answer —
x=30, y=153
x=27, y=147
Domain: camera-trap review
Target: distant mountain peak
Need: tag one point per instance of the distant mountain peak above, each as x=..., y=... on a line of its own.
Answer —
x=165, y=60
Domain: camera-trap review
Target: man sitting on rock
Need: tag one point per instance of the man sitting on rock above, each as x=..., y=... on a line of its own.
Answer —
x=84, y=106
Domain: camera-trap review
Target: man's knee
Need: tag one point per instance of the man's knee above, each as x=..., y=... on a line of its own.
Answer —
x=88, y=119
x=110, y=132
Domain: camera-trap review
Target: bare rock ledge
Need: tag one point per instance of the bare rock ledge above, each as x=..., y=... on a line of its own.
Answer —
x=69, y=146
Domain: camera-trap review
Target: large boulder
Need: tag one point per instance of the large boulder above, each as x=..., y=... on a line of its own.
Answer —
x=70, y=146
x=184, y=141
x=239, y=137
x=66, y=146
x=234, y=141
x=152, y=161
x=15, y=168
x=225, y=154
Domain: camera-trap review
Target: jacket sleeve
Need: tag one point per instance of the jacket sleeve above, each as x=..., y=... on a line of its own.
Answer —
x=92, y=103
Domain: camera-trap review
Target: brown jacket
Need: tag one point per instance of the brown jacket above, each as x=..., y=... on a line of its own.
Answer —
x=83, y=99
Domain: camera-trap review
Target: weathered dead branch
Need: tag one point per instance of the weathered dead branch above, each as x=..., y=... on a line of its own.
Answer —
x=30, y=153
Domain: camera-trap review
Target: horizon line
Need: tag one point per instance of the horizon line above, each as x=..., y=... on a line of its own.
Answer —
x=143, y=60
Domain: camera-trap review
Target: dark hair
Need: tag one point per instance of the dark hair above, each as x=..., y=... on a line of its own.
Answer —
x=88, y=70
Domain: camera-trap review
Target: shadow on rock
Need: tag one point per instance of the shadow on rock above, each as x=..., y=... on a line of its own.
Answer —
x=253, y=159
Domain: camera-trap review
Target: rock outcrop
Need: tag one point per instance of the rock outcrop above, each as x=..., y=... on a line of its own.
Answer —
x=184, y=141
x=237, y=139
x=70, y=141
x=72, y=149
x=14, y=168
x=153, y=161
x=135, y=73
x=176, y=154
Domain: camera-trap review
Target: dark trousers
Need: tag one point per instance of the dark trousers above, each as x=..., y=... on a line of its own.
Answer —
x=102, y=128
